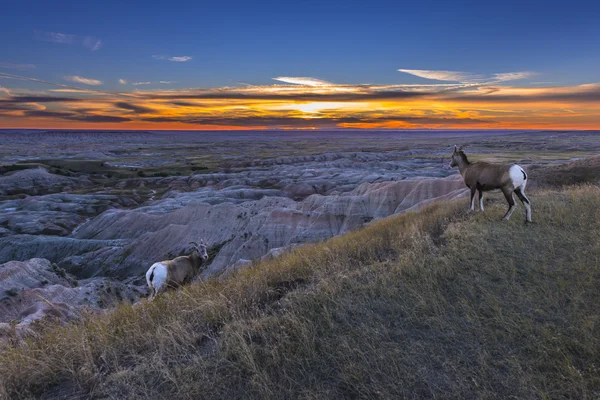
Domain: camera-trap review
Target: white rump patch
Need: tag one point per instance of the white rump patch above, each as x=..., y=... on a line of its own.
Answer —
x=517, y=176
x=160, y=276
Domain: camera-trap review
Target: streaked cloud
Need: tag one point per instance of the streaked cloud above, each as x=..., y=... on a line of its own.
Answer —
x=468, y=77
x=74, y=116
x=140, y=109
x=498, y=100
x=88, y=42
x=82, y=91
x=8, y=65
x=122, y=81
x=39, y=99
x=303, y=81
x=514, y=76
x=152, y=83
x=174, y=59
x=453, y=76
x=85, y=81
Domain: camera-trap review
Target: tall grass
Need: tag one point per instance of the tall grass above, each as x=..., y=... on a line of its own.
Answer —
x=436, y=304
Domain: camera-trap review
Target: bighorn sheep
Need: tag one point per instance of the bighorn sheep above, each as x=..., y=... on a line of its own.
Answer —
x=483, y=176
x=173, y=273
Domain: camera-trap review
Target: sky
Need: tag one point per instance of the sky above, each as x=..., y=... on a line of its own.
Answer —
x=300, y=65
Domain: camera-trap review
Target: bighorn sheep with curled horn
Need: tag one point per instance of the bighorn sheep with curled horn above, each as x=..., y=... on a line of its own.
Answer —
x=173, y=273
x=482, y=176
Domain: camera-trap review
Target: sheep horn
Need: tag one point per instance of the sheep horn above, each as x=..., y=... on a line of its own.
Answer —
x=194, y=243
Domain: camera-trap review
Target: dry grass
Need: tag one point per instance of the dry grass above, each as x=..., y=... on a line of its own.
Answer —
x=439, y=304
x=586, y=170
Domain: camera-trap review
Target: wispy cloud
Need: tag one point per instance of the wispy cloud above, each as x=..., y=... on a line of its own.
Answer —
x=85, y=81
x=122, y=81
x=4, y=75
x=514, y=76
x=69, y=90
x=453, y=76
x=306, y=81
x=92, y=43
x=8, y=65
x=174, y=58
x=468, y=77
x=152, y=83
x=88, y=42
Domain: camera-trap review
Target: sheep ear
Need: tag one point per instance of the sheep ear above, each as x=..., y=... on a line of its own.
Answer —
x=461, y=147
x=455, y=149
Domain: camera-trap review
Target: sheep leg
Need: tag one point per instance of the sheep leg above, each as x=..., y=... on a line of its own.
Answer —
x=511, y=203
x=521, y=195
x=481, y=200
x=473, y=189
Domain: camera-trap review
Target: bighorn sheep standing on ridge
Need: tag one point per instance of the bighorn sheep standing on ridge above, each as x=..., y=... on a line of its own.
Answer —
x=173, y=273
x=483, y=176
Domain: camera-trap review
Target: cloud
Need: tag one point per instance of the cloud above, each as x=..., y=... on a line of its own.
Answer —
x=134, y=107
x=174, y=59
x=513, y=76
x=122, y=81
x=296, y=122
x=39, y=99
x=303, y=102
x=582, y=94
x=4, y=75
x=88, y=42
x=280, y=93
x=303, y=81
x=167, y=82
x=72, y=116
x=85, y=81
x=8, y=65
x=69, y=90
x=92, y=43
x=180, y=59
x=453, y=76
x=56, y=37
x=468, y=77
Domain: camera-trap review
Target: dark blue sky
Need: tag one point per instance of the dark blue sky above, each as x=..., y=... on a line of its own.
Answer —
x=252, y=42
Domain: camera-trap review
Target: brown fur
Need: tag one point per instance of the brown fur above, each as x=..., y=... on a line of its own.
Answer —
x=181, y=270
x=482, y=176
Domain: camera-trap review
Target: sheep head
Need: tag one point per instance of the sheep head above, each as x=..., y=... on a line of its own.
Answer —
x=200, y=249
x=457, y=155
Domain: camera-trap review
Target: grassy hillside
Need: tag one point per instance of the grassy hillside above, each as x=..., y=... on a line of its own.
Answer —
x=440, y=303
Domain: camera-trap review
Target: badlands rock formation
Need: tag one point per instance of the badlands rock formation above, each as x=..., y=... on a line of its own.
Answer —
x=241, y=229
x=35, y=289
x=37, y=181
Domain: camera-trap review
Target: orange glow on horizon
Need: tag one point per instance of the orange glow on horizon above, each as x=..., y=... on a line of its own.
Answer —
x=308, y=107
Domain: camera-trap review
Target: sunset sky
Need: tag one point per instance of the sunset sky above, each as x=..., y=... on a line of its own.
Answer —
x=300, y=65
